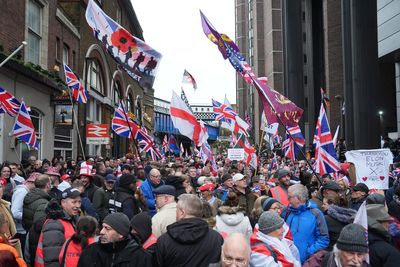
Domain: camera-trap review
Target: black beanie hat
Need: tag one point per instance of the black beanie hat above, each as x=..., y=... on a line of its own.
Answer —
x=353, y=238
x=266, y=205
x=141, y=223
x=119, y=222
x=126, y=179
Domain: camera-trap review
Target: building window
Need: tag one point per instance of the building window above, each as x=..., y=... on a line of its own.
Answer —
x=95, y=77
x=117, y=97
x=73, y=60
x=65, y=54
x=119, y=15
x=34, y=31
x=63, y=142
x=129, y=104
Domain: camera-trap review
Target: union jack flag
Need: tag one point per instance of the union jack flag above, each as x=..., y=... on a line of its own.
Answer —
x=164, y=147
x=8, y=103
x=289, y=147
x=223, y=112
x=79, y=93
x=325, y=153
x=146, y=143
x=24, y=129
x=207, y=154
x=122, y=124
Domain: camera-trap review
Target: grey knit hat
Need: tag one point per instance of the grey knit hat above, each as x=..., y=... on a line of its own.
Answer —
x=119, y=222
x=353, y=238
x=269, y=221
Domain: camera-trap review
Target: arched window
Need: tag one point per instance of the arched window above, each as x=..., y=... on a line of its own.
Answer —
x=37, y=121
x=94, y=77
x=130, y=104
x=116, y=93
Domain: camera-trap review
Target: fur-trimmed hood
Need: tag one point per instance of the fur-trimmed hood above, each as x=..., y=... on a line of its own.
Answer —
x=230, y=210
x=340, y=214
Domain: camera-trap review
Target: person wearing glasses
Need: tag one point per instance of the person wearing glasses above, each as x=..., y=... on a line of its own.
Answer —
x=235, y=251
x=269, y=246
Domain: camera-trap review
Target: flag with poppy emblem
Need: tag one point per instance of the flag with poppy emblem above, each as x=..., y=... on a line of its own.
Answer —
x=136, y=57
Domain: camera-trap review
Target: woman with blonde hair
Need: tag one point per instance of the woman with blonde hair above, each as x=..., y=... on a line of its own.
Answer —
x=257, y=210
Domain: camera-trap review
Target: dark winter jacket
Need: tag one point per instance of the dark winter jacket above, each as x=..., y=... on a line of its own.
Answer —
x=34, y=206
x=394, y=207
x=100, y=203
x=126, y=202
x=125, y=253
x=246, y=200
x=89, y=191
x=54, y=233
x=355, y=204
x=188, y=242
x=381, y=251
x=337, y=218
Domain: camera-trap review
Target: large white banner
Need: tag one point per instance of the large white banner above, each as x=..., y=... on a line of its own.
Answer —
x=372, y=166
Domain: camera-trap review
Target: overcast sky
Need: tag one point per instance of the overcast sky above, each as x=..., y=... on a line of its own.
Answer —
x=173, y=28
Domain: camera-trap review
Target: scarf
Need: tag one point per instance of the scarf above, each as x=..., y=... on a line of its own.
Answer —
x=285, y=246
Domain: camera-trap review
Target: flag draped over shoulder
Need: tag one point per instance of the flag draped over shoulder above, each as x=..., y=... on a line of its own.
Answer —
x=8, y=103
x=325, y=153
x=78, y=92
x=289, y=147
x=24, y=129
x=184, y=120
x=138, y=59
x=122, y=124
x=274, y=103
x=189, y=79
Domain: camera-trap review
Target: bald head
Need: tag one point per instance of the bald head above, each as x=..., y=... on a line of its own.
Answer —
x=236, y=247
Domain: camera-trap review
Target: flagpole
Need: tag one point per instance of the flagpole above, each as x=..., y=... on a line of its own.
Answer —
x=130, y=129
x=286, y=130
x=76, y=123
x=13, y=53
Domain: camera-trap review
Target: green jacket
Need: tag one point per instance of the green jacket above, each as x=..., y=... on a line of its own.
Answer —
x=35, y=203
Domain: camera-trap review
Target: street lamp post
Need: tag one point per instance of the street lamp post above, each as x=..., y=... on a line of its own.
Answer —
x=380, y=113
x=341, y=100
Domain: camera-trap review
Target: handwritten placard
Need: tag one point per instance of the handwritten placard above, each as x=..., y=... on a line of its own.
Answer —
x=372, y=166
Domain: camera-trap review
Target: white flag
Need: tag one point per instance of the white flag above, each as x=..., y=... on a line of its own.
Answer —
x=361, y=218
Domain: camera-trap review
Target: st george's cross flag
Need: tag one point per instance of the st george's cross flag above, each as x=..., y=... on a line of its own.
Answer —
x=8, y=103
x=24, y=129
x=189, y=79
x=78, y=92
x=184, y=120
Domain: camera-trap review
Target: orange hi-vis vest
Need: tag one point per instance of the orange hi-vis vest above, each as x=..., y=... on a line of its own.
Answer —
x=280, y=194
x=68, y=232
x=150, y=241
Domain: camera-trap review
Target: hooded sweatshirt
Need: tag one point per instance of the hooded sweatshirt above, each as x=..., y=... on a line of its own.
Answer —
x=232, y=220
x=189, y=242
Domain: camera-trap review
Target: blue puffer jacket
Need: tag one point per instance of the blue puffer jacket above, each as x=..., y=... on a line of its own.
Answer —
x=308, y=227
x=147, y=190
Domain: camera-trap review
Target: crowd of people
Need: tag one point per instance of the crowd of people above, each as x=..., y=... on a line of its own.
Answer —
x=183, y=212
